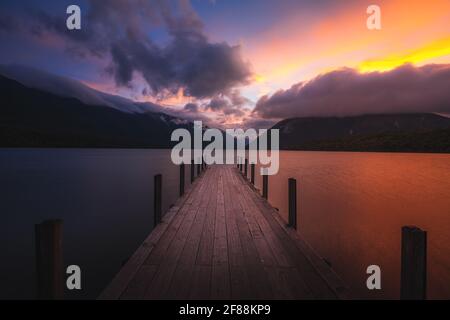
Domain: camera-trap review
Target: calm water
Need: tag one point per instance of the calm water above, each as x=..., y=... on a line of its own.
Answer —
x=351, y=208
x=105, y=198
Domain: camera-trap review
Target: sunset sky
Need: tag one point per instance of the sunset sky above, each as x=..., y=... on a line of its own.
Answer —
x=248, y=62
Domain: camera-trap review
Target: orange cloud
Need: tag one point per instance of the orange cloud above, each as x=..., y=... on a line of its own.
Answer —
x=426, y=54
x=416, y=32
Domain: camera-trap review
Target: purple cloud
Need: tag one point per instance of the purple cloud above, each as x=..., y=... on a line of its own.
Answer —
x=345, y=92
x=120, y=31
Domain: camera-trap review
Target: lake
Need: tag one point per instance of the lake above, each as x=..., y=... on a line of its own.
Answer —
x=351, y=207
x=104, y=196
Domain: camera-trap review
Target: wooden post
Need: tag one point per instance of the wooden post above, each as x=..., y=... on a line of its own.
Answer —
x=414, y=264
x=292, y=184
x=252, y=173
x=157, y=199
x=181, y=179
x=198, y=169
x=192, y=171
x=265, y=186
x=49, y=260
x=246, y=168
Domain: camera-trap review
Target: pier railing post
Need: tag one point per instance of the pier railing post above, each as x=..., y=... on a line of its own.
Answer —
x=292, y=185
x=192, y=171
x=252, y=173
x=246, y=168
x=265, y=186
x=157, y=199
x=413, y=264
x=49, y=260
x=181, y=179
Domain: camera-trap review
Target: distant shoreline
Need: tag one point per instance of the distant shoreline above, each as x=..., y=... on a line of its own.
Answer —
x=158, y=148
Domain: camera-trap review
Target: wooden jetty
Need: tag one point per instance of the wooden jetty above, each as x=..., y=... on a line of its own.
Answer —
x=222, y=240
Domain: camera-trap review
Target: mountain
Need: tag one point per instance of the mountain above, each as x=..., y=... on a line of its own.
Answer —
x=386, y=132
x=70, y=88
x=44, y=110
x=30, y=117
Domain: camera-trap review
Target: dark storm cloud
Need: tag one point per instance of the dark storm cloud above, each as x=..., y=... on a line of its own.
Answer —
x=120, y=30
x=346, y=92
x=227, y=104
x=217, y=104
x=191, y=107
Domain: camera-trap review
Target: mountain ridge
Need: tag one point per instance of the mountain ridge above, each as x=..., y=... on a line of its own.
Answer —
x=33, y=118
x=382, y=132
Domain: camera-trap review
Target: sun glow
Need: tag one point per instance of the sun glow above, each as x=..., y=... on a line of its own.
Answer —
x=426, y=54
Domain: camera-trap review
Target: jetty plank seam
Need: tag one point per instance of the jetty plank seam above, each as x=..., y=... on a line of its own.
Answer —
x=160, y=284
x=222, y=240
x=319, y=266
x=183, y=276
x=123, y=278
x=276, y=272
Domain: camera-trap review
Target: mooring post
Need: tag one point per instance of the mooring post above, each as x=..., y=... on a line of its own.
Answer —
x=192, y=171
x=265, y=186
x=413, y=264
x=292, y=185
x=252, y=173
x=157, y=199
x=49, y=260
x=246, y=168
x=181, y=179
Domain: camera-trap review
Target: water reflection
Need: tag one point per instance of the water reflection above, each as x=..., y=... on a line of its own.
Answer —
x=105, y=198
x=351, y=207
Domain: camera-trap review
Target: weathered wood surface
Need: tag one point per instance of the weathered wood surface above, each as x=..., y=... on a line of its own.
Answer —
x=222, y=240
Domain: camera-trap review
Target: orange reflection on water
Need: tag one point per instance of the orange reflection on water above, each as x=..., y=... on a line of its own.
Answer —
x=351, y=207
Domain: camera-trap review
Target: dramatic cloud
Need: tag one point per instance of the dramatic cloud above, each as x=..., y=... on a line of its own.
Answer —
x=122, y=31
x=228, y=105
x=346, y=92
x=191, y=107
x=66, y=87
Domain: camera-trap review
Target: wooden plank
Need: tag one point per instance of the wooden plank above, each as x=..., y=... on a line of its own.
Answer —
x=264, y=250
x=205, y=251
x=257, y=277
x=138, y=285
x=126, y=274
x=200, y=289
x=183, y=276
x=240, y=285
x=324, y=285
x=281, y=256
x=160, y=284
x=220, y=278
x=157, y=255
x=222, y=240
